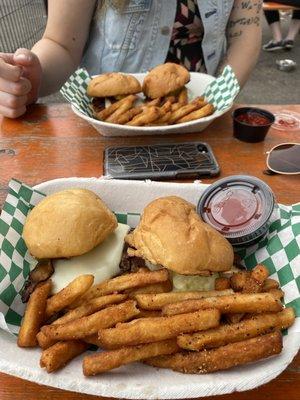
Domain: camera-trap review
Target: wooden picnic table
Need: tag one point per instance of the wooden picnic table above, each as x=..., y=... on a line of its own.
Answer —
x=51, y=142
x=274, y=6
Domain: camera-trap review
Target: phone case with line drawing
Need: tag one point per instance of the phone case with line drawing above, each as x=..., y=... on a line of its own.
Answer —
x=162, y=161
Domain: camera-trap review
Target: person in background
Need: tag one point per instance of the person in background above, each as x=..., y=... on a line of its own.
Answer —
x=131, y=36
x=273, y=19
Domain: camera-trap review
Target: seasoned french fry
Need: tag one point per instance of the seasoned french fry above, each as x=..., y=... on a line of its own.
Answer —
x=154, y=102
x=160, y=287
x=127, y=116
x=175, y=107
x=166, y=106
x=148, y=314
x=34, y=315
x=270, y=284
x=255, y=279
x=108, y=360
x=85, y=326
x=260, y=273
x=236, y=303
x=277, y=293
x=183, y=97
x=234, y=318
x=90, y=307
x=222, y=358
x=121, y=110
x=69, y=294
x=198, y=99
x=92, y=339
x=86, y=309
x=123, y=282
x=158, y=301
x=222, y=335
x=165, y=113
x=161, y=121
x=238, y=280
x=222, y=284
x=104, y=114
x=58, y=355
x=184, y=110
x=43, y=341
x=147, y=330
x=142, y=314
x=253, y=283
x=202, y=112
x=148, y=115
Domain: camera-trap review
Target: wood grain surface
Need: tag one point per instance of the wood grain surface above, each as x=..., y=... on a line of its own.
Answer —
x=51, y=142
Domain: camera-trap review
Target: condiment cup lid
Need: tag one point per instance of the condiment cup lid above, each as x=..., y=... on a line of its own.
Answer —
x=239, y=207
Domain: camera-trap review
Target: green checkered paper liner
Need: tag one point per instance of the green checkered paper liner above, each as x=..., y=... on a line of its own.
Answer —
x=279, y=251
x=221, y=92
x=74, y=91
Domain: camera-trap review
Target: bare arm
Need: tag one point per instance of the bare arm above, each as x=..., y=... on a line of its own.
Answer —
x=60, y=49
x=243, y=38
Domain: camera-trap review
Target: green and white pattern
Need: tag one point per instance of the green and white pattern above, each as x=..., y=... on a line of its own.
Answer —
x=74, y=91
x=279, y=251
x=221, y=92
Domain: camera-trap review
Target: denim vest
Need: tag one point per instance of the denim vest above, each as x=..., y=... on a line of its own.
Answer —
x=137, y=38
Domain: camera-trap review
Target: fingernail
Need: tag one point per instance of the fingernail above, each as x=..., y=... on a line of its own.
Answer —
x=22, y=57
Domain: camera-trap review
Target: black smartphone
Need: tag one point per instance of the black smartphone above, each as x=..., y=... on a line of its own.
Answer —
x=161, y=161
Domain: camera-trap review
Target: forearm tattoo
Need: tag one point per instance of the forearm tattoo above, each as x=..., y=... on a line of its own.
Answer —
x=244, y=14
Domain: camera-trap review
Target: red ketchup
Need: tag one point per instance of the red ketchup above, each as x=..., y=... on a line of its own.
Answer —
x=253, y=118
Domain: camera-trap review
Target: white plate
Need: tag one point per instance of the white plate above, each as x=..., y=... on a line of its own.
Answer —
x=196, y=87
x=138, y=381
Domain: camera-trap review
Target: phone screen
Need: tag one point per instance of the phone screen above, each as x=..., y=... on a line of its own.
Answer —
x=175, y=160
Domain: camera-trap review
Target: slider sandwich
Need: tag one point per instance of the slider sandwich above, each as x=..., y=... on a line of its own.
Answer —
x=172, y=235
x=113, y=86
x=73, y=233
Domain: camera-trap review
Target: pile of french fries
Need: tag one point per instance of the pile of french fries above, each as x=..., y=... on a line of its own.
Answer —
x=167, y=110
x=137, y=317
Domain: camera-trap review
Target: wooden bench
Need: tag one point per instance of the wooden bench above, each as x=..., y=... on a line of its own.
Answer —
x=271, y=6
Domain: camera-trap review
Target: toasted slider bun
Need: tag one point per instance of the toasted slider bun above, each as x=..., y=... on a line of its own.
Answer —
x=113, y=84
x=164, y=79
x=67, y=224
x=172, y=234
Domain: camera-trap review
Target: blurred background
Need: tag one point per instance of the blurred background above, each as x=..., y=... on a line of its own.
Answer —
x=22, y=23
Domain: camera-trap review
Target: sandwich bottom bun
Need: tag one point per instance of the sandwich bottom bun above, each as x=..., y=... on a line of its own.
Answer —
x=67, y=224
x=172, y=234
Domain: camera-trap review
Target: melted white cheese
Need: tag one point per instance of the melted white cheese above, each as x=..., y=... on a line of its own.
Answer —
x=193, y=282
x=102, y=262
x=183, y=283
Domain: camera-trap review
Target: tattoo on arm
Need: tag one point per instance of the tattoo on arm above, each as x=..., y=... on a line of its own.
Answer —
x=245, y=13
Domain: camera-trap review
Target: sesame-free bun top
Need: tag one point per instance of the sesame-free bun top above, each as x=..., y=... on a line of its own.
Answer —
x=172, y=234
x=67, y=224
x=113, y=84
x=165, y=79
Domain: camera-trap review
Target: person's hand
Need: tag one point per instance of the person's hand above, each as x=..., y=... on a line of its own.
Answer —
x=20, y=79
